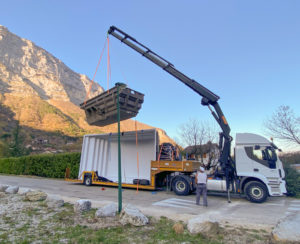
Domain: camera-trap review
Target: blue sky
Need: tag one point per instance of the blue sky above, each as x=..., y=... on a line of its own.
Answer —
x=247, y=52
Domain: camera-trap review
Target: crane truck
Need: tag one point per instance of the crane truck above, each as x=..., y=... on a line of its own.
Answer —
x=254, y=169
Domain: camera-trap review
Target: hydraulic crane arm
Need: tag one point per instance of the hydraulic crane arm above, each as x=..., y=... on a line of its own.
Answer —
x=208, y=98
x=163, y=63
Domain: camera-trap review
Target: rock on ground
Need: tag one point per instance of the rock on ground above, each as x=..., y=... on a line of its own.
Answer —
x=204, y=226
x=132, y=215
x=3, y=187
x=108, y=210
x=2, y=194
x=178, y=228
x=55, y=202
x=287, y=230
x=34, y=196
x=23, y=191
x=82, y=205
x=12, y=189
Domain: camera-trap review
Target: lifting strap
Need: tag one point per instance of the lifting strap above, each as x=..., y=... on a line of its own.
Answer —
x=108, y=65
x=92, y=82
x=137, y=156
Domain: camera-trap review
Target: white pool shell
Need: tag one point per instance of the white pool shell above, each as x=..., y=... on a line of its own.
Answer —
x=100, y=153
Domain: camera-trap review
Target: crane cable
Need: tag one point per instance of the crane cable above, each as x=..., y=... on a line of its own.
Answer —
x=136, y=131
x=108, y=79
x=92, y=82
x=108, y=65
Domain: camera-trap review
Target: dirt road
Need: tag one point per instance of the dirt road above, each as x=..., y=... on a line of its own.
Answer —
x=158, y=203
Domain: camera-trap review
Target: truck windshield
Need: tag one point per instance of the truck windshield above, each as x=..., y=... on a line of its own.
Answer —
x=266, y=156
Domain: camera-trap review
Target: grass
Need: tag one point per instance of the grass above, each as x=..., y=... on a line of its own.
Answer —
x=156, y=232
x=61, y=227
x=163, y=231
x=256, y=236
x=24, y=228
x=89, y=214
x=128, y=234
x=4, y=237
x=32, y=211
x=7, y=219
x=42, y=204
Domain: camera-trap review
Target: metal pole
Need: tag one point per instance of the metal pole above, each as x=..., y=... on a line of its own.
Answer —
x=119, y=152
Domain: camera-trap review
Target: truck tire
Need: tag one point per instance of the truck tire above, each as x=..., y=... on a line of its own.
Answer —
x=87, y=180
x=180, y=186
x=256, y=191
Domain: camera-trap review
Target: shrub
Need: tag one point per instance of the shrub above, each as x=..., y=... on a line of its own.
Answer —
x=45, y=165
x=292, y=177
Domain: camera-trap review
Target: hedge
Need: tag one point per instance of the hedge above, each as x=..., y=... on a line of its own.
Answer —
x=292, y=177
x=45, y=165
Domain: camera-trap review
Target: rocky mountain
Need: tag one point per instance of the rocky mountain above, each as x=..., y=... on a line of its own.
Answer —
x=28, y=70
x=41, y=94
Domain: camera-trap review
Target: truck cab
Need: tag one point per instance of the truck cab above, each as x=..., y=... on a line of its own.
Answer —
x=258, y=168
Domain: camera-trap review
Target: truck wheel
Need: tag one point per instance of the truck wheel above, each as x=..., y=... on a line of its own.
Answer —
x=256, y=192
x=180, y=186
x=87, y=180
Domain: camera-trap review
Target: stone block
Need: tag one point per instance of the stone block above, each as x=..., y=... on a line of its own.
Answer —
x=132, y=215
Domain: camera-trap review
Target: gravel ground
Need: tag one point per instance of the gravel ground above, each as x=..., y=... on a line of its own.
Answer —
x=22, y=221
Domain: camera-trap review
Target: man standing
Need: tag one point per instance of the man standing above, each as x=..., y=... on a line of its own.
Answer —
x=201, y=181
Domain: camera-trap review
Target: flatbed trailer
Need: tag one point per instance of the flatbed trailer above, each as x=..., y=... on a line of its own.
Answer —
x=157, y=168
x=99, y=166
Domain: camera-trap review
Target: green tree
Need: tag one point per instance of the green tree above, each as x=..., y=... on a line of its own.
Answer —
x=17, y=148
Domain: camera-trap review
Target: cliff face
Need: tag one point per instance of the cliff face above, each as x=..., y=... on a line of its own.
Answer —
x=42, y=94
x=28, y=70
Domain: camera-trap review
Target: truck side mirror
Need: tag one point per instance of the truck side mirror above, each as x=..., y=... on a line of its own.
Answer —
x=256, y=147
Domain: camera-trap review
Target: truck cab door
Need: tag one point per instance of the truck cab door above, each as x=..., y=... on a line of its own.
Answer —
x=264, y=160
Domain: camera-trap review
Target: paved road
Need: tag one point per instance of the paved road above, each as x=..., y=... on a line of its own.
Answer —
x=159, y=203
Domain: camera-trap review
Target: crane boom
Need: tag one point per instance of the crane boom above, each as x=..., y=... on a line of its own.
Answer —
x=208, y=97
